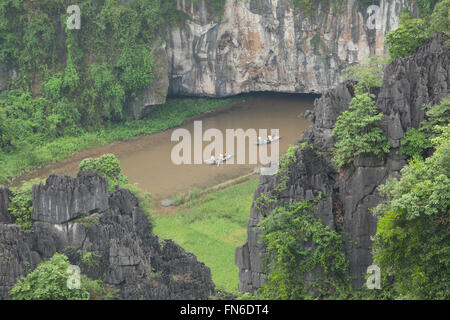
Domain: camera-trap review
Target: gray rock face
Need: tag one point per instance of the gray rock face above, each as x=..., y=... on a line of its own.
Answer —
x=125, y=253
x=156, y=93
x=5, y=76
x=270, y=45
x=262, y=45
x=5, y=217
x=408, y=84
x=64, y=198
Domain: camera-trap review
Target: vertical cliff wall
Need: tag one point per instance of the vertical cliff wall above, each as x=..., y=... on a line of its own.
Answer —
x=408, y=84
x=270, y=45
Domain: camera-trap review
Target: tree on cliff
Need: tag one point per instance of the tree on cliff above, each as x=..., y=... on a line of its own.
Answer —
x=358, y=131
x=412, y=243
x=408, y=37
x=50, y=281
x=368, y=74
x=440, y=19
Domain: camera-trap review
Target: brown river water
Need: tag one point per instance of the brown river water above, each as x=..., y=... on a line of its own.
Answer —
x=146, y=159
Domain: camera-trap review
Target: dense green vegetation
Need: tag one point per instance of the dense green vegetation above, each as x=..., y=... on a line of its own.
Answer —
x=440, y=19
x=368, y=74
x=108, y=166
x=407, y=38
x=72, y=78
x=426, y=6
x=417, y=142
x=49, y=281
x=413, y=33
x=74, y=88
x=212, y=227
x=412, y=243
x=21, y=205
x=358, y=132
x=33, y=155
x=299, y=245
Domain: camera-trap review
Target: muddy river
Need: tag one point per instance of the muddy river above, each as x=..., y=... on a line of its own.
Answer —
x=146, y=159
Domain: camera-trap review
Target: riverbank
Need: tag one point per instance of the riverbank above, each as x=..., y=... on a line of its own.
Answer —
x=146, y=159
x=15, y=165
x=212, y=226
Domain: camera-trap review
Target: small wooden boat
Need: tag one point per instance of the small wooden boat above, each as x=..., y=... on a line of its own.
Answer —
x=267, y=141
x=217, y=161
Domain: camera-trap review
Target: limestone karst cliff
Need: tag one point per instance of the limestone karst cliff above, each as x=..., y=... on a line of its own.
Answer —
x=259, y=45
x=265, y=45
x=270, y=45
x=408, y=84
x=75, y=216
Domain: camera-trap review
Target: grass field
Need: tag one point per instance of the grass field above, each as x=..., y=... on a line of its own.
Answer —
x=211, y=227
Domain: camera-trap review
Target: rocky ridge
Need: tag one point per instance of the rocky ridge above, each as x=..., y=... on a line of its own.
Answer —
x=347, y=196
x=75, y=216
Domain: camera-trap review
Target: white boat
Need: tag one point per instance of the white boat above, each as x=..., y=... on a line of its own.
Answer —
x=267, y=141
x=216, y=161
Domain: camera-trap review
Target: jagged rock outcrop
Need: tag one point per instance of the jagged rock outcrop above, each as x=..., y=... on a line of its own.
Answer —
x=62, y=198
x=79, y=216
x=5, y=217
x=408, y=84
x=270, y=45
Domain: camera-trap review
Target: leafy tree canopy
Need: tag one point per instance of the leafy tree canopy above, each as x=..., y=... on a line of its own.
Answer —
x=413, y=239
x=299, y=245
x=358, y=131
x=407, y=38
x=49, y=282
x=368, y=74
